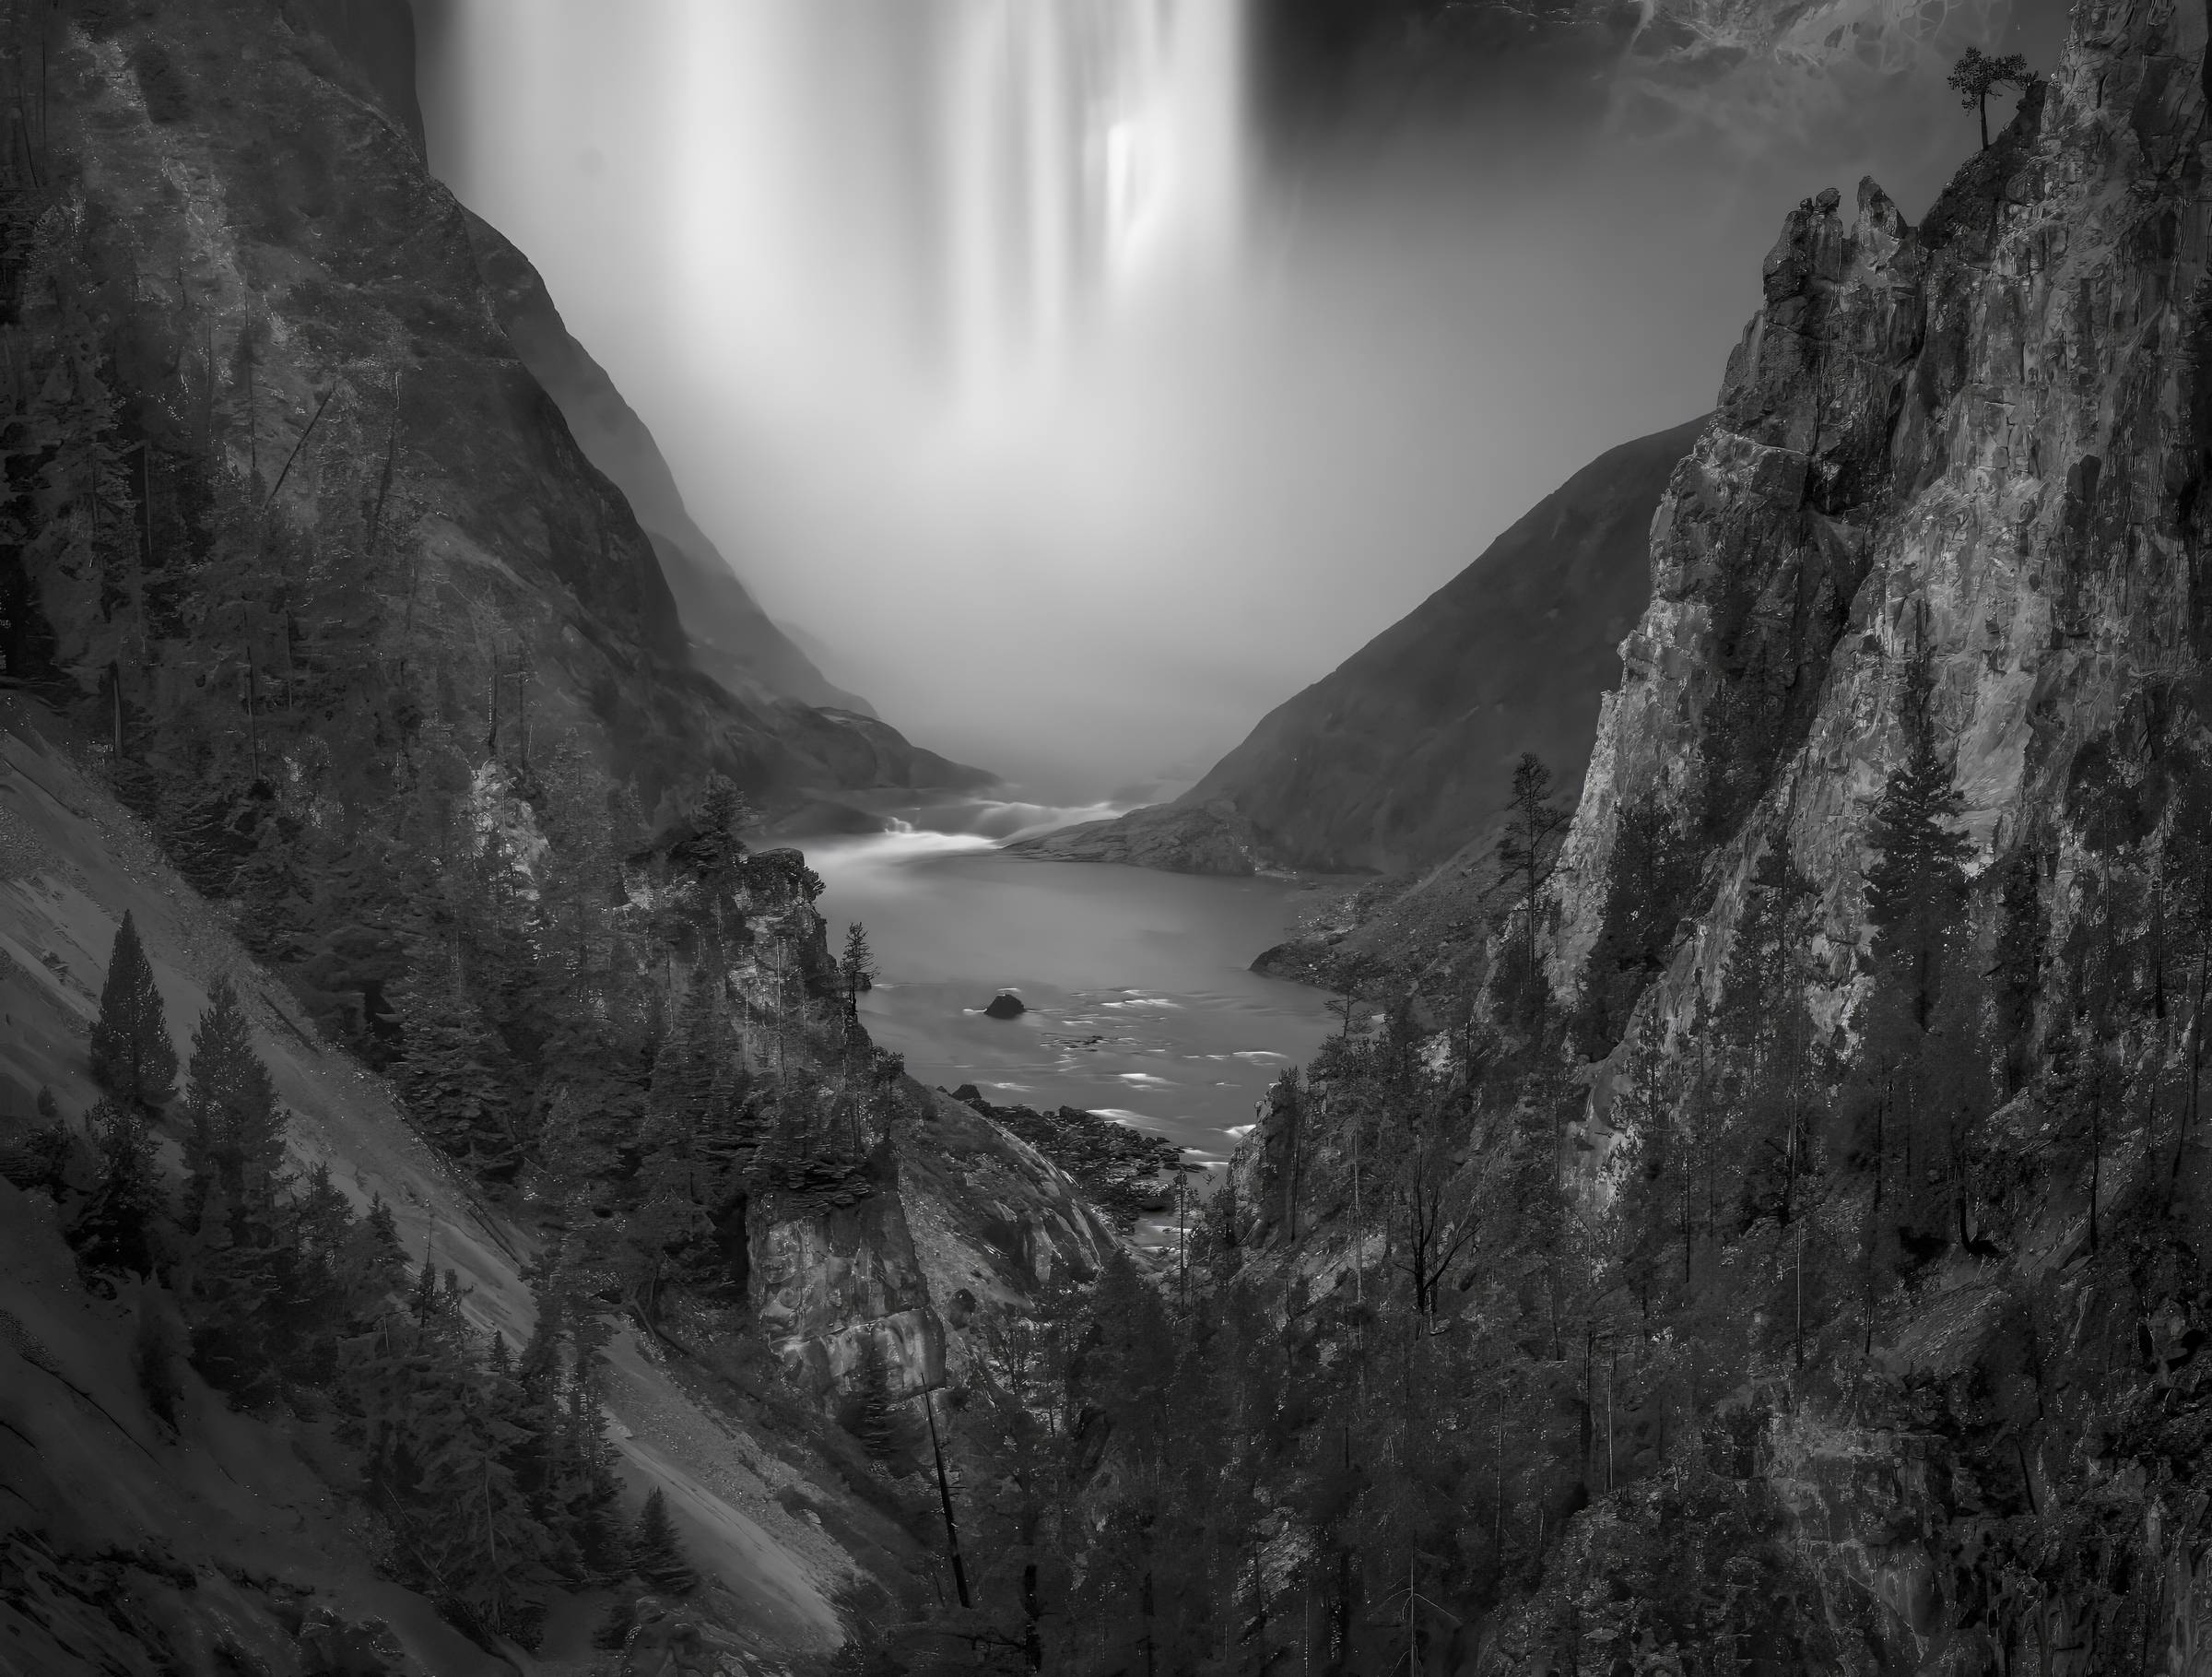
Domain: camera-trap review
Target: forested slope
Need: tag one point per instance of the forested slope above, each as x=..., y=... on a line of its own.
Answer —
x=516, y=1152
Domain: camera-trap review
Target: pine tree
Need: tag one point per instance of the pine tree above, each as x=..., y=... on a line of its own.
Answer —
x=1527, y=852
x=115, y=1230
x=235, y=1134
x=856, y=967
x=133, y=1056
x=453, y=1075
x=656, y=1552
x=1916, y=886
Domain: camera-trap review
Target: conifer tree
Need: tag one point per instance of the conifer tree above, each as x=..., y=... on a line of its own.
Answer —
x=235, y=1135
x=453, y=1075
x=1916, y=887
x=1916, y=894
x=134, y=1057
x=856, y=967
x=115, y=1230
x=657, y=1554
x=1527, y=852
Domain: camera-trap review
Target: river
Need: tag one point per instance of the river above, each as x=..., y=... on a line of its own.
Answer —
x=1141, y=1006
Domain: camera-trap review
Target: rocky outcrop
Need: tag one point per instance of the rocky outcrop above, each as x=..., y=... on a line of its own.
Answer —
x=1974, y=446
x=1970, y=454
x=1399, y=758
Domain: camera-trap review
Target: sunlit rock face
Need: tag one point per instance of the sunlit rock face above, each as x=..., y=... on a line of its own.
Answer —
x=1976, y=442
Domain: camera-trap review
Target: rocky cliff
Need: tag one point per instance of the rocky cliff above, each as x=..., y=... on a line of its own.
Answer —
x=1971, y=448
x=1399, y=757
x=1954, y=489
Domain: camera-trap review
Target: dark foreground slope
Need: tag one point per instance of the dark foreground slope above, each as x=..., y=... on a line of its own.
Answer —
x=224, y=1530
x=1396, y=759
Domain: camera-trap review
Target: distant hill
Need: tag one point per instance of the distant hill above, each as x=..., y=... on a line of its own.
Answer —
x=1399, y=757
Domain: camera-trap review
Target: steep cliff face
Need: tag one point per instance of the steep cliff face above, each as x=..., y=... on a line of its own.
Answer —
x=1399, y=758
x=1973, y=446
x=1963, y=460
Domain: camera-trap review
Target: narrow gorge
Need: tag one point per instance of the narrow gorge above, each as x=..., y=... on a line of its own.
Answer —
x=1731, y=1196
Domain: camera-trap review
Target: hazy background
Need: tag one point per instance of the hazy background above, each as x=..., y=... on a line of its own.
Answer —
x=1081, y=378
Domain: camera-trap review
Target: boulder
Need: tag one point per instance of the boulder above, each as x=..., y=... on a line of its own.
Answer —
x=1006, y=1005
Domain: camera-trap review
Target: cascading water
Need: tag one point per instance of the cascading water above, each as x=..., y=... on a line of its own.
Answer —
x=942, y=195
x=1087, y=147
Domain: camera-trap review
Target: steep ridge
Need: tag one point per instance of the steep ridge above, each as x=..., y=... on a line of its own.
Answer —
x=1398, y=758
x=732, y=639
x=1971, y=449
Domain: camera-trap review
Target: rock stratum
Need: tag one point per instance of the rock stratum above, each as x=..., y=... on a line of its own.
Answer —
x=1395, y=761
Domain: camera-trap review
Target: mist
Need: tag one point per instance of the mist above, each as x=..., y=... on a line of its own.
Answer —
x=1079, y=408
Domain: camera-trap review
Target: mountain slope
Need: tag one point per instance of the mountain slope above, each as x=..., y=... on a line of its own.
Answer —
x=733, y=640
x=175, y=1535
x=321, y=353
x=1399, y=757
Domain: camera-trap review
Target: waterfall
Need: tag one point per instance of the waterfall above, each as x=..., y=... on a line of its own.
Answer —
x=1087, y=147
x=947, y=193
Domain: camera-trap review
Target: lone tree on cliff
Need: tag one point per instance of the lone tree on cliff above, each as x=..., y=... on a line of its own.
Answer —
x=856, y=967
x=133, y=1056
x=1976, y=76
